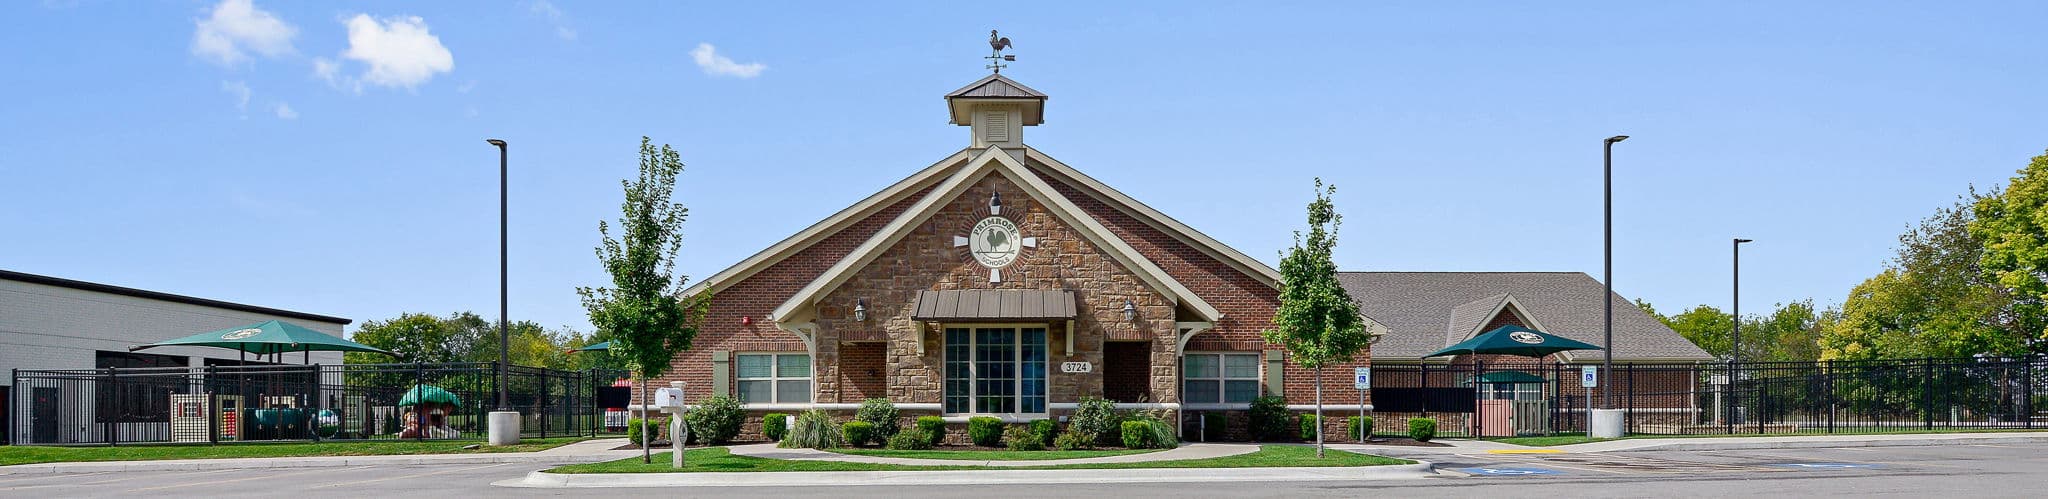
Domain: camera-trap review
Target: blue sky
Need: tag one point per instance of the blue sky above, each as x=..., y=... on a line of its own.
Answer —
x=147, y=143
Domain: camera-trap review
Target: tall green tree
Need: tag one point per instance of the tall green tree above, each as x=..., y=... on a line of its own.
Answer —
x=1317, y=321
x=1705, y=326
x=1939, y=296
x=643, y=312
x=2012, y=227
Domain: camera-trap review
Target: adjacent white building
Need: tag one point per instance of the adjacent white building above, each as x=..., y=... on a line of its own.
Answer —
x=54, y=323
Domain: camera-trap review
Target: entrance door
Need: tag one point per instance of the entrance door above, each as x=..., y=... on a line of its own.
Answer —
x=995, y=370
x=43, y=415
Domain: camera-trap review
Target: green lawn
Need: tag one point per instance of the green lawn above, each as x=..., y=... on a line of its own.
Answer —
x=992, y=455
x=30, y=454
x=718, y=459
x=1580, y=438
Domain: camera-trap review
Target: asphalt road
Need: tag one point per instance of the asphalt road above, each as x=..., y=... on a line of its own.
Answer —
x=1954, y=471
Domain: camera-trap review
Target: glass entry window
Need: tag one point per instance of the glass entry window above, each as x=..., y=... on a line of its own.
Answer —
x=995, y=370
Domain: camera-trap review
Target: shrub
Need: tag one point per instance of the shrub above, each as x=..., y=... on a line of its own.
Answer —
x=1162, y=435
x=1308, y=427
x=1096, y=416
x=1214, y=426
x=814, y=429
x=934, y=428
x=1045, y=430
x=1137, y=435
x=658, y=425
x=881, y=413
x=1074, y=440
x=912, y=438
x=1269, y=419
x=1023, y=438
x=985, y=431
x=1421, y=429
x=717, y=420
x=774, y=425
x=858, y=433
x=1360, y=427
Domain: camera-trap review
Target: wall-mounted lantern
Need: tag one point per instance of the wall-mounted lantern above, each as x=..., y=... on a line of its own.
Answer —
x=995, y=204
x=860, y=310
x=1130, y=310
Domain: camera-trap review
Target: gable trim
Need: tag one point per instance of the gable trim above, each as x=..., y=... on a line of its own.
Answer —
x=1145, y=214
x=830, y=225
x=1506, y=301
x=991, y=161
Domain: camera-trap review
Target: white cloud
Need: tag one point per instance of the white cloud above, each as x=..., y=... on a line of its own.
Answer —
x=327, y=70
x=237, y=27
x=713, y=64
x=547, y=10
x=399, y=51
x=284, y=111
x=240, y=91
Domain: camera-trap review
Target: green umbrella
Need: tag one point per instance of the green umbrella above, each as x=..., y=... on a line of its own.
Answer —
x=268, y=337
x=432, y=394
x=1503, y=377
x=1513, y=340
x=595, y=347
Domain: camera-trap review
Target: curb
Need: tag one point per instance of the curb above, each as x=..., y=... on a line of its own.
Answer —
x=1649, y=444
x=267, y=463
x=542, y=479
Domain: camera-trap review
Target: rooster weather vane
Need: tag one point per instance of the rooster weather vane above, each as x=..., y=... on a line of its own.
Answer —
x=996, y=58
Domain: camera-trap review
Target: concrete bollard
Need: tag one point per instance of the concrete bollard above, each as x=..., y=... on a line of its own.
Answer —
x=1605, y=423
x=504, y=428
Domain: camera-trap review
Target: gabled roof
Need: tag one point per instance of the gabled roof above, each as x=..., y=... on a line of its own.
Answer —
x=154, y=295
x=1470, y=318
x=1187, y=235
x=996, y=86
x=832, y=224
x=992, y=161
x=1418, y=308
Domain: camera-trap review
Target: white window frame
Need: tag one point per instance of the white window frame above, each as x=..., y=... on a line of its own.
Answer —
x=775, y=377
x=1223, y=378
x=974, y=373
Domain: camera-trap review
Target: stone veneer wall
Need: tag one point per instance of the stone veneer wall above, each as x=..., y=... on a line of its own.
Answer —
x=926, y=259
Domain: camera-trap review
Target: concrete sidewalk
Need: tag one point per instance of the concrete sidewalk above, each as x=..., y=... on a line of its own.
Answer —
x=588, y=451
x=1714, y=443
x=1185, y=451
x=976, y=477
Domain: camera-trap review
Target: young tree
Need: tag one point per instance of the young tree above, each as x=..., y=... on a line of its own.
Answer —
x=1317, y=322
x=644, y=312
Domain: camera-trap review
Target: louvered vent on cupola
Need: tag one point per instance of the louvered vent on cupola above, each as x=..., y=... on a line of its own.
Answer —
x=995, y=126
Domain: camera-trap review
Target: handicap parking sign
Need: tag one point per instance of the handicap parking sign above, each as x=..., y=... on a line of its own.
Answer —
x=1509, y=471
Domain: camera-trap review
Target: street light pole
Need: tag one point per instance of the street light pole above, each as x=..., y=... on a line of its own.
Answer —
x=1607, y=327
x=1735, y=339
x=504, y=285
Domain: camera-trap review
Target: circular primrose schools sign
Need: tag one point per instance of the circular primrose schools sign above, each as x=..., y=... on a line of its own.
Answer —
x=241, y=333
x=1526, y=337
x=995, y=242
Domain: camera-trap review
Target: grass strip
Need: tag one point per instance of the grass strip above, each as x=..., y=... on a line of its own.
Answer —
x=33, y=454
x=992, y=455
x=718, y=459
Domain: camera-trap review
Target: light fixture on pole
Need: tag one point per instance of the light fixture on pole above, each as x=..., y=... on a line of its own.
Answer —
x=1607, y=320
x=504, y=292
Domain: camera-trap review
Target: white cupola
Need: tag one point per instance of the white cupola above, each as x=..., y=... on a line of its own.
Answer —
x=997, y=109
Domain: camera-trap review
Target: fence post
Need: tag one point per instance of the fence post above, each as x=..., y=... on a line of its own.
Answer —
x=1629, y=415
x=1729, y=388
x=544, y=395
x=1831, y=395
x=419, y=416
x=1425, y=388
x=1927, y=392
x=113, y=378
x=2027, y=399
x=1763, y=402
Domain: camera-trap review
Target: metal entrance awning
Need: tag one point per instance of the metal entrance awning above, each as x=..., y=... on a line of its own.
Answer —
x=994, y=305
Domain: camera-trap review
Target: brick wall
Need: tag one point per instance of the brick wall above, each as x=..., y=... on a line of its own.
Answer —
x=1127, y=371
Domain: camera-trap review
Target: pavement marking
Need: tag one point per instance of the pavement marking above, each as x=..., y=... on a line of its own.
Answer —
x=1547, y=463
x=40, y=476
x=69, y=483
x=259, y=477
x=386, y=479
x=1525, y=451
x=1510, y=471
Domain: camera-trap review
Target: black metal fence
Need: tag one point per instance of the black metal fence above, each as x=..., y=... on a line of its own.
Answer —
x=1531, y=398
x=285, y=402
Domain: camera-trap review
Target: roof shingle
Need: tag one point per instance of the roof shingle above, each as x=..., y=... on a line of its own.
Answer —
x=1421, y=309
